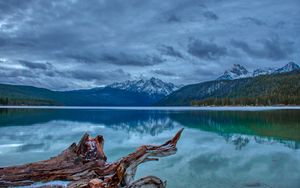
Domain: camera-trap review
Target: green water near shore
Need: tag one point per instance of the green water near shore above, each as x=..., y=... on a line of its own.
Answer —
x=217, y=149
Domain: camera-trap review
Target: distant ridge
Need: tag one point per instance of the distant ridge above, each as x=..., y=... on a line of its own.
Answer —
x=237, y=86
x=238, y=71
x=273, y=89
x=291, y=66
x=130, y=93
x=153, y=87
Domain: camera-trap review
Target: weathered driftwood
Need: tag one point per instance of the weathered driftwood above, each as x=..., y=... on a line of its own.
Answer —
x=84, y=165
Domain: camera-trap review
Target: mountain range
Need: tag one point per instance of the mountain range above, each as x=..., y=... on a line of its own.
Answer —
x=153, y=88
x=141, y=92
x=281, y=87
x=236, y=86
x=238, y=71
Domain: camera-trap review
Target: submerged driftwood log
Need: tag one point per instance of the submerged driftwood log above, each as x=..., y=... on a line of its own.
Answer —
x=84, y=165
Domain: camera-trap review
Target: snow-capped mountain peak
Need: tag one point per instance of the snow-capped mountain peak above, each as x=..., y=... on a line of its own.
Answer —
x=291, y=66
x=237, y=71
x=263, y=71
x=152, y=86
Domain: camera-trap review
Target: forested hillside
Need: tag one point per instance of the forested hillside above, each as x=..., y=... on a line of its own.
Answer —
x=275, y=89
x=28, y=95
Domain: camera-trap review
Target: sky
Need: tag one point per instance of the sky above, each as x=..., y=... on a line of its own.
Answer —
x=74, y=44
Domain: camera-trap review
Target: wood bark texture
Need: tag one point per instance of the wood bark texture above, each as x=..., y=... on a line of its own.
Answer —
x=85, y=165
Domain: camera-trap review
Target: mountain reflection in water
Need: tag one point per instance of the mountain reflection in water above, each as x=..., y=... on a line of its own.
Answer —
x=218, y=148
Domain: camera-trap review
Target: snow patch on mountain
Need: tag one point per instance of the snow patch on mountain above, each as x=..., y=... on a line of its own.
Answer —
x=238, y=71
x=291, y=66
x=152, y=86
x=263, y=71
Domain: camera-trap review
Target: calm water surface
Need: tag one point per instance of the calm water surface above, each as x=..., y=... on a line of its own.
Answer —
x=217, y=148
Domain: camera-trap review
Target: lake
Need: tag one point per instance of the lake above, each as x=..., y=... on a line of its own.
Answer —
x=218, y=148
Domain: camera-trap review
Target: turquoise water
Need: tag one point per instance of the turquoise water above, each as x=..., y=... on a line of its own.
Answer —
x=217, y=148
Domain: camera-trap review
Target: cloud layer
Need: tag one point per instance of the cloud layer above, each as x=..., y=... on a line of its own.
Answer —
x=75, y=44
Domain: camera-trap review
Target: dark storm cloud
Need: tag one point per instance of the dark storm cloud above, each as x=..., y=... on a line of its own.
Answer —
x=27, y=71
x=86, y=43
x=280, y=25
x=189, y=11
x=170, y=51
x=85, y=58
x=11, y=6
x=255, y=21
x=273, y=49
x=17, y=73
x=206, y=50
x=163, y=72
x=123, y=59
x=43, y=79
x=203, y=71
x=173, y=19
x=98, y=75
x=210, y=15
x=33, y=65
x=3, y=41
x=14, y=42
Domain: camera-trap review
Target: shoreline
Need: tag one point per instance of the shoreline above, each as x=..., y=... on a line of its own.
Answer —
x=167, y=108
